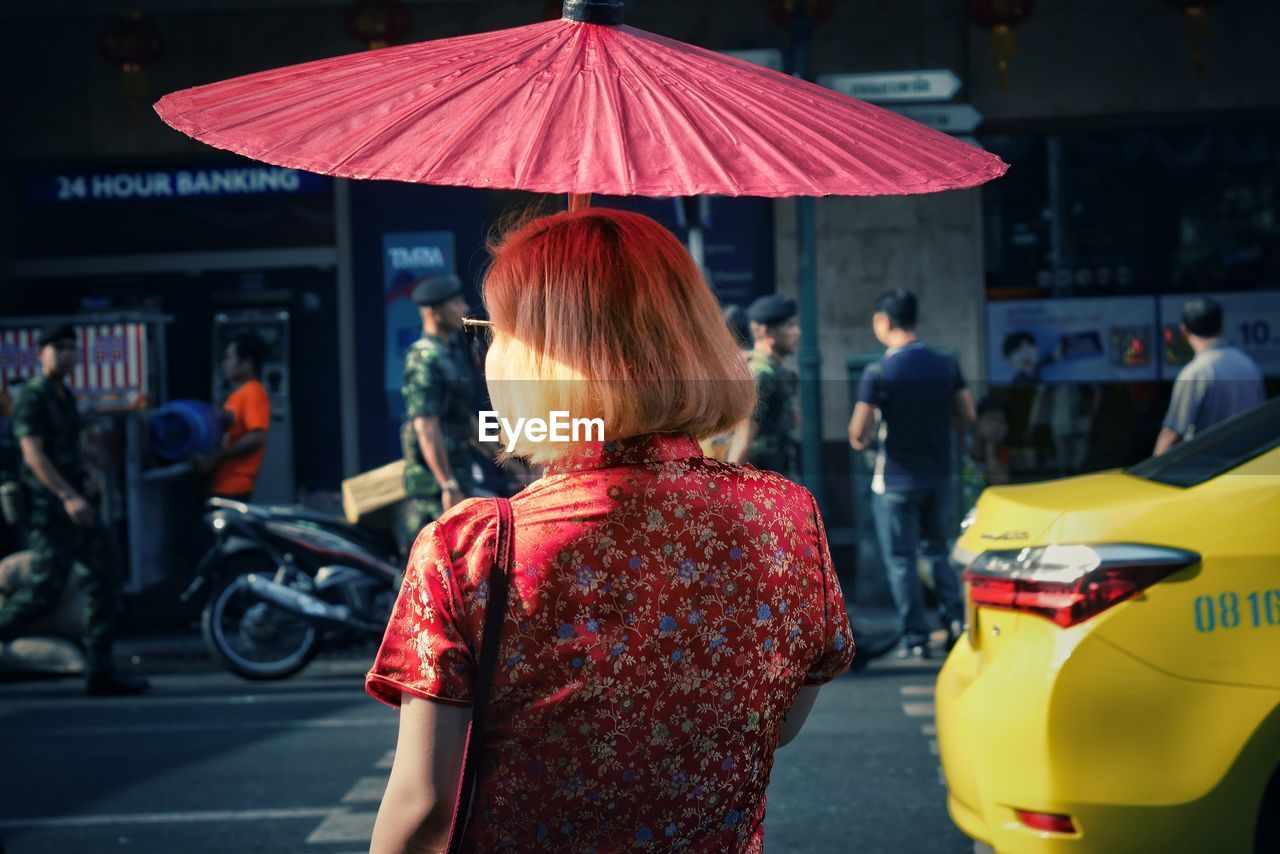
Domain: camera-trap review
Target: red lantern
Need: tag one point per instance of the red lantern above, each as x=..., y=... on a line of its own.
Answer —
x=130, y=42
x=378, y=23
x=1000, y=17
x=782, y=10
x=1197, y=26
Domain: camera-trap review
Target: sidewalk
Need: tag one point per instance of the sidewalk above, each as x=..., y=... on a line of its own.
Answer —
x=45, y=655
x=872, y=621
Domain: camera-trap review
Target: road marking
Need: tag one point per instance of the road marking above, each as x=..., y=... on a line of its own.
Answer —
x=344, y=826
x=148, y=729
x=365, y=790
x=924, y=709
x=52, y=822
x=918, y=710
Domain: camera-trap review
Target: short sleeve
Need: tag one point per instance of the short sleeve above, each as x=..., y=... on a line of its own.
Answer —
x=29, y=416
x=766, y=392
x=1189, y=391
x=424, y=651
x=837, y=636
x=424, y=388
x=255, y=411
x=867, y=386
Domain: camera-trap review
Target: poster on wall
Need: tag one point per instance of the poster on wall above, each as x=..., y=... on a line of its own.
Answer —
x=112, y=375
x=1105, y=339
x=1250, y=321
x=408, y=257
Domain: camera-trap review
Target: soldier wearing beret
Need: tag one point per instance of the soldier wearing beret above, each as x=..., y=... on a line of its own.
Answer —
x=439, y=409
x=64, y=531
x=767, y=443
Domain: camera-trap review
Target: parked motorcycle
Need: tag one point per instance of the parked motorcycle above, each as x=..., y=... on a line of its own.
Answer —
x=284, y=582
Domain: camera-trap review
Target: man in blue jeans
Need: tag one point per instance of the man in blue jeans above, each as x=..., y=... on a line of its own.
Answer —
x=919, y=394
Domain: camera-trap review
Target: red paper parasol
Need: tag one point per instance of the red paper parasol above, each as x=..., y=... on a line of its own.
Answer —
x=574, y=106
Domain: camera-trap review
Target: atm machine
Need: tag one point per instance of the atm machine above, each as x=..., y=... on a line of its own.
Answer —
x=276, y=480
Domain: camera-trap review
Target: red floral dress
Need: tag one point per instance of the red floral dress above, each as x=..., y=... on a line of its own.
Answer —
x=664, y=611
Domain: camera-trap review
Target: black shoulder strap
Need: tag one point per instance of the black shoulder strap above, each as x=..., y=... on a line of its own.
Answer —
x=495, y=613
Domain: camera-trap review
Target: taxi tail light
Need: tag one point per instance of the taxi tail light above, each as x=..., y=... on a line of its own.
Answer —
x=1069, y=584
x=1046, y=821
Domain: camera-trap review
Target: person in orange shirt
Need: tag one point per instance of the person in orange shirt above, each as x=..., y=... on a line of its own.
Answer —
x=234, y=466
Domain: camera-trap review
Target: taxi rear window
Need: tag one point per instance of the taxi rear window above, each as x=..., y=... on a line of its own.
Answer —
x=1217, y=450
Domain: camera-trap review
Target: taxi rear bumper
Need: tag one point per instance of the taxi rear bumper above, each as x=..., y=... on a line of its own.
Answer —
x=1063, y=722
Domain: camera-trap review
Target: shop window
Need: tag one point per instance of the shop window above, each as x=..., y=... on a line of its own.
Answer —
x=1093, y=240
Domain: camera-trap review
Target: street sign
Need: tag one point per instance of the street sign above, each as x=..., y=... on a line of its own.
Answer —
x=948, y=118
x=769, y=57
x=894, y=87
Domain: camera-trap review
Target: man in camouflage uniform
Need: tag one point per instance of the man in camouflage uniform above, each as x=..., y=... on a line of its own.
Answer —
x=64, y=531
x=440, y=417
x=768, y=442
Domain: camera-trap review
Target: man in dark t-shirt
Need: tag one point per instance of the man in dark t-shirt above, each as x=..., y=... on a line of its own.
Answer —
x=917, y=392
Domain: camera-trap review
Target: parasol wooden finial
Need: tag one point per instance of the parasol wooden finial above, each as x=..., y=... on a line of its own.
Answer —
x=606, y=12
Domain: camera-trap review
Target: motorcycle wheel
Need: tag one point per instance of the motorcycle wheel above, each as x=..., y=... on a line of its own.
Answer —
x=252, y=638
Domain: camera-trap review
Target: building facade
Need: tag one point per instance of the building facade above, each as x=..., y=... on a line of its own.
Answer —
x=1135, y=178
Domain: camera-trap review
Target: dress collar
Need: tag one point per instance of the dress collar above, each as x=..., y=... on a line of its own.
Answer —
x=630, y=451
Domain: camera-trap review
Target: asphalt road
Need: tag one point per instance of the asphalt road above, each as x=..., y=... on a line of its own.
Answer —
x=211, y=763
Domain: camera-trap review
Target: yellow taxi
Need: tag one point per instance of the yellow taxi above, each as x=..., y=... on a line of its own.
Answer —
x=1118, y=688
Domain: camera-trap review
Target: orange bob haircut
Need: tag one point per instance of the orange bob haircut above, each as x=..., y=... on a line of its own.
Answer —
x=602, y=313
